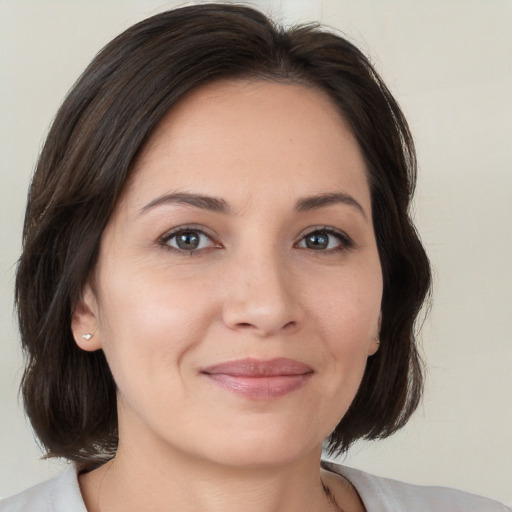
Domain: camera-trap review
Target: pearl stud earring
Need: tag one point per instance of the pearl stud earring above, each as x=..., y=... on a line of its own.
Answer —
x=87, y=336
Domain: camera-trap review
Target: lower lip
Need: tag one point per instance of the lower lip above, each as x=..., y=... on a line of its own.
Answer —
x=260, y=388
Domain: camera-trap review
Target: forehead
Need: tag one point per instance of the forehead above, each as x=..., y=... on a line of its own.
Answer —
x=244, y=138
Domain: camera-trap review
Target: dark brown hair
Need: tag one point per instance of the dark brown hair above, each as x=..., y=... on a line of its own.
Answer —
x=69, y=394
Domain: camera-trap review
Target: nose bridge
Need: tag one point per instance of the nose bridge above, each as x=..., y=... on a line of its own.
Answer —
x=260, y=293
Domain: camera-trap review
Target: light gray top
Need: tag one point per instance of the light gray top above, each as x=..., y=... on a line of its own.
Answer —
x=62, y=494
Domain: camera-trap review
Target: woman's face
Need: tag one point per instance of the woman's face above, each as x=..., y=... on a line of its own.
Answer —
x=238, y=288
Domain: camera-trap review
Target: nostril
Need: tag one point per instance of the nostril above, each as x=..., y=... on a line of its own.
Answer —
x=247, y=325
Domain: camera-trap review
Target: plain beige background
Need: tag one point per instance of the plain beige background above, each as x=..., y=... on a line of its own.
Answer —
x=449, y=63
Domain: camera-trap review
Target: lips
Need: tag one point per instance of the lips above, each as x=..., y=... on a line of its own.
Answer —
x=260, y=379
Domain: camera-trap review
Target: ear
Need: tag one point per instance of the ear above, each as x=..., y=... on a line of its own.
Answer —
x=374, y=344
x=84, y=323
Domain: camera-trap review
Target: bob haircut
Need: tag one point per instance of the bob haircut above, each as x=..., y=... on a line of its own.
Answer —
x=108, y=116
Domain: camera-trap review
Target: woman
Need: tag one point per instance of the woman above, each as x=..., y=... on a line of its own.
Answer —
x=219, y=273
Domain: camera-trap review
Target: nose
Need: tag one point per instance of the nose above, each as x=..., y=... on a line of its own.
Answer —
x=261, y=297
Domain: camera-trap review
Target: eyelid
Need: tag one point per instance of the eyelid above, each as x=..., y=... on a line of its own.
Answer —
x=346, y=242
x=168, y=235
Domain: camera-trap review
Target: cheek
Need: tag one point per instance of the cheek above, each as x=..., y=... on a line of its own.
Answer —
x=149, y=316
x=347, y=316
x=346, y=308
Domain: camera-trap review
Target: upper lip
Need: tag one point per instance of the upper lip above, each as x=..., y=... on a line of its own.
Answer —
x=259, y=368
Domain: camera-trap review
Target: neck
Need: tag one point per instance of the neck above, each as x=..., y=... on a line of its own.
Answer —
x=132, y=481
x=149, y=473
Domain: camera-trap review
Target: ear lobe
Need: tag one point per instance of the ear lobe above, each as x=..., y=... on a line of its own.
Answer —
x=84, y=323
x=374, y=346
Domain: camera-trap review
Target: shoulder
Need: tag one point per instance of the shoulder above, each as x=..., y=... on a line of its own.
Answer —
x=385, y=494
x=59, y=494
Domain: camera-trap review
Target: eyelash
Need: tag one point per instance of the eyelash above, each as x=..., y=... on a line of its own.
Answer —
x=167, y=237
x=345, y=242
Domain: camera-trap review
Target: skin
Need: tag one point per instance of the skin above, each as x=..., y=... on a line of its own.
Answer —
x=253, y=288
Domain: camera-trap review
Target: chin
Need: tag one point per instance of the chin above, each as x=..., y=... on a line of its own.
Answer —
x=264, y=449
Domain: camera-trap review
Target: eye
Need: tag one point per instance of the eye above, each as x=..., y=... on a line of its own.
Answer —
x=187, y=239
x=325, y=239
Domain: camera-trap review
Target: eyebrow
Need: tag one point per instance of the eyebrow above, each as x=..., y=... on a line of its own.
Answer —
x=216, y=204
x=321, y=200
x=213, y=204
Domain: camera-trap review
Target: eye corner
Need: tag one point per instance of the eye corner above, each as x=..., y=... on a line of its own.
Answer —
x=322, y=235
x=199, y=240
